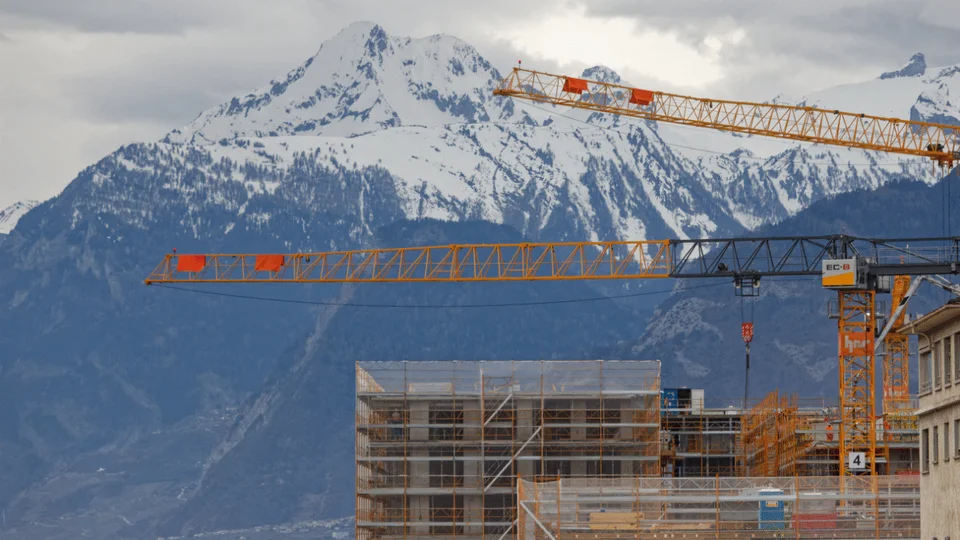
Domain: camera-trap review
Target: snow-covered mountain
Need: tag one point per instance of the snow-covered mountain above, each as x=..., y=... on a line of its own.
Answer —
x=914, y=91
x=422, y=111
x=362, y=80
x=10, y=215
x=371, y=131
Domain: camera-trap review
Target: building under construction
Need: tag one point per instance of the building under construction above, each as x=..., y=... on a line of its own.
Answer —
x=787, y=436
x=440, y=445
x=443, y=448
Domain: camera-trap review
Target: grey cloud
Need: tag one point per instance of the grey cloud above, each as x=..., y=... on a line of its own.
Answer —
x=829, y=32
x=175, y=85
x=141, y=101
x=127, y=16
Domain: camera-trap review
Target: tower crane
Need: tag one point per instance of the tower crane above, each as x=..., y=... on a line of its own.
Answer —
x=855, y=267
x=938, y=142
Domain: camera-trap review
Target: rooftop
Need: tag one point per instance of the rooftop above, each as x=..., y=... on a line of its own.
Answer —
x=561, y=377
x=931, y=321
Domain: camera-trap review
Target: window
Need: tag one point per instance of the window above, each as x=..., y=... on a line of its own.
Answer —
x=397, y=421
x=925, y=450
x=555, y=419
x=936, y=445
x=553, y=468
x=446, y=414
x=446, y=468
x=956, y=438
x=946, y=441
x=956, y=360
x=503, y=467
x=926, y=381
x=936, y=365
x=497, y=509
x=947, y=359
x=597, y=415
x=501, y=426
x=606, y=467
x=446, y=511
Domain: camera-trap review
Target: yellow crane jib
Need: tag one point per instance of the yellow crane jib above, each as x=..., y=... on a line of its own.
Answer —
x=939, y=142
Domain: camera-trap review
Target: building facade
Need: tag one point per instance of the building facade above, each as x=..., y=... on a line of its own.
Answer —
x=441, y=445
x=938, y=350
x=699, y=438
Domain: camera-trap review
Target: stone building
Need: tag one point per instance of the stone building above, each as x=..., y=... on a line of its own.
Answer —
x=938, y=347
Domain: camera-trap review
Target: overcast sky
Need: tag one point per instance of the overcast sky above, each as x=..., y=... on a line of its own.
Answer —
x=81, y=77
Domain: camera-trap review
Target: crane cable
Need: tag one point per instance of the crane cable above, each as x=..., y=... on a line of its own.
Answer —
x=438, y=306
x=746, y=332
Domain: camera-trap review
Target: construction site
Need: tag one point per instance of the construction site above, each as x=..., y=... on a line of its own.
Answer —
x=486, y=449
x=600, y=449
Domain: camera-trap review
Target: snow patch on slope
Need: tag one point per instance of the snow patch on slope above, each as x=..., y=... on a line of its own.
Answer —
x=421, y=113
x=682, y=320
x=10, y=215
x=362, y=80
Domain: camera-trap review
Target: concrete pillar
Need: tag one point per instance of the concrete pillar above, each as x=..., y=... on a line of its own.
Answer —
x=473, y=513
x=418, y=511
x=579, y=433
x=626, y=417
x=471, y=417
x=419, y=414
x=419, y=470
x=525, y=417
x=472, y=469
x=525, y=467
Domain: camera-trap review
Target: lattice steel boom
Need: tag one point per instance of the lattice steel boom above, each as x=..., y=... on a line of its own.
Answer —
x=730, y=258
x=473, y=262
x=939, y=142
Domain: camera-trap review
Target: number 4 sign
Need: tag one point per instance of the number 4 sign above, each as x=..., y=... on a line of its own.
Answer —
x=856, y=461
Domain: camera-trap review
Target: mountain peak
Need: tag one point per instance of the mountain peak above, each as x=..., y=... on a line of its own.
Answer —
x=916, y=67
x=602, y=74
x=10, y=215
x=364, y=28
x=373, y=37
x=359, y=81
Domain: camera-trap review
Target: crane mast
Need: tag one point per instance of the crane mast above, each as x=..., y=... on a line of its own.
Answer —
x=896, y=372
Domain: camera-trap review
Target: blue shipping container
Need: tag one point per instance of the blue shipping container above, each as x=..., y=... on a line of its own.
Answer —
x=771, y=513
x=669, y=398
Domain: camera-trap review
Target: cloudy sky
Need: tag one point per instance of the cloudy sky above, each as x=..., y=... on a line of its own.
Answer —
x=80, y=78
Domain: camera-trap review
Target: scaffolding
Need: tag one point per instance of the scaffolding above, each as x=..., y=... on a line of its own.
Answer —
x=759, y=436
x=728, y=508
x=700, y=437
x=783, y=436
x=440, y=445
x=789, y=436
